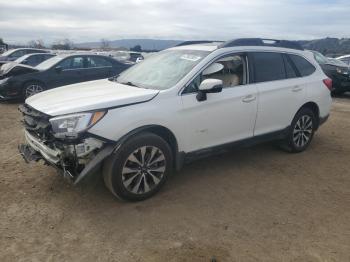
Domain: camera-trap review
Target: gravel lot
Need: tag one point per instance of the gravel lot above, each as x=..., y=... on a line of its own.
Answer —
x=257, y=204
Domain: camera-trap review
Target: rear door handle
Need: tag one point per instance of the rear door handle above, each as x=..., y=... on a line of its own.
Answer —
x=297, y=88
x=249, y=98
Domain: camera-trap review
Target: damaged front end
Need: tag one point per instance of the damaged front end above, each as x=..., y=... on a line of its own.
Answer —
x=76, y=155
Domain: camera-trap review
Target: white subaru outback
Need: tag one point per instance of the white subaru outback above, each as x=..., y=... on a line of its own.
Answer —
x=177, y=105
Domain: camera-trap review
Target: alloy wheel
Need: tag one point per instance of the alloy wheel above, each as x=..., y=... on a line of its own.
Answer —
x=33, y=89
x=302, y=131
x=143, y=170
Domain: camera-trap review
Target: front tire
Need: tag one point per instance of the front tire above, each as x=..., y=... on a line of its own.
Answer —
x=32, y=88
x=140, y=168
x=302, y=131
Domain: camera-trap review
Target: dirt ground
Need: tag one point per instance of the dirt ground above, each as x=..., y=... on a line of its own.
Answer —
x=257, y=204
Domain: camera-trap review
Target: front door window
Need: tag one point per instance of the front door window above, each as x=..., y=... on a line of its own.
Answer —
x=231, y=70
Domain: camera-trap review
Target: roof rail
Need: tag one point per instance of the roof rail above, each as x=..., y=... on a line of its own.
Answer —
x=195, y=42
x=262, y=42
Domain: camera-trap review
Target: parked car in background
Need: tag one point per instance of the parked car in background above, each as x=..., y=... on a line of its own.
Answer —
x=31, y=60
x=178, y=105
x=34, y=59
x=22, y=81
x=337, y=70
x=13, y=54
x=135, y=57
x=127, y=56
x=345, y=59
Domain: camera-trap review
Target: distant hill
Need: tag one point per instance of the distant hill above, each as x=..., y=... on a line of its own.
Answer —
x=146, y=44
x=328, y=46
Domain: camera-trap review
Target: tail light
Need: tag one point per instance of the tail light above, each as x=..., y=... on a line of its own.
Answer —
x=329, y=83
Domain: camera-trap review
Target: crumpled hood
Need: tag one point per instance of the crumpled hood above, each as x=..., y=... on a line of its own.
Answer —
x=92, y=95
x=13, y=69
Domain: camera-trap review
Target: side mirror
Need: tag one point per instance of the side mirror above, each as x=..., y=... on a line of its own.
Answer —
x=208, y=86
x=58, y=69
x=25, y=61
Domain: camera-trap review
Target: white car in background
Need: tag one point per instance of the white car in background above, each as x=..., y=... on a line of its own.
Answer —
x=345, y=59
x=178, y=105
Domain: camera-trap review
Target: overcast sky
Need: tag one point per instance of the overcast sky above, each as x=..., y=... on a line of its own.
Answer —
x=85, y=20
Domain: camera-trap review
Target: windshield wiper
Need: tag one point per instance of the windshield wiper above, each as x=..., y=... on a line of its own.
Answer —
x=129, y=84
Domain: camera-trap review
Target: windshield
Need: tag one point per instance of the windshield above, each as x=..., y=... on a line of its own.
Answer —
x=49, y=63
x=321, y=59
x=162, y=70
x=9, y=52
x=22, y=58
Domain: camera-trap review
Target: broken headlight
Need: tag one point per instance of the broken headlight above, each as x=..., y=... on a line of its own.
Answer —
x=71, y=125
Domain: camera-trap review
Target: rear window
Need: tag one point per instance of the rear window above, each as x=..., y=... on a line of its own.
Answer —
x=304, y=67
x=268, y=67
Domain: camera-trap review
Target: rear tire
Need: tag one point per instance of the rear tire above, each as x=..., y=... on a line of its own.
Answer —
x=32, y=88
x=140, y=168
x=301, y=131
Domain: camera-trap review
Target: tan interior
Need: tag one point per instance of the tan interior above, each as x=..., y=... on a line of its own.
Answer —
x=230, y=74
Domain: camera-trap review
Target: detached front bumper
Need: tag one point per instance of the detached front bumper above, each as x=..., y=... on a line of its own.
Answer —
x=39, y=148
x=74, y=161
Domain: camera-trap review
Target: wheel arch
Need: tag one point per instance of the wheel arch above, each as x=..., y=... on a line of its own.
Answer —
x=29, y=81
x=164, y=133
x=315, y=109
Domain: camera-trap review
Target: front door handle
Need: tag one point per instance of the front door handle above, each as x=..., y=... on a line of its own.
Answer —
x=297, y=88
x=249, y=98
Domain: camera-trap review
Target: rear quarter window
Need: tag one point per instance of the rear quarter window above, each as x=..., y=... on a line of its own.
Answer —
x=304, y=67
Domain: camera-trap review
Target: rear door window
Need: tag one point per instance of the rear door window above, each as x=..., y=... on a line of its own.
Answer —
x=304, y=67
x=94, y=61
x=268, y=66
